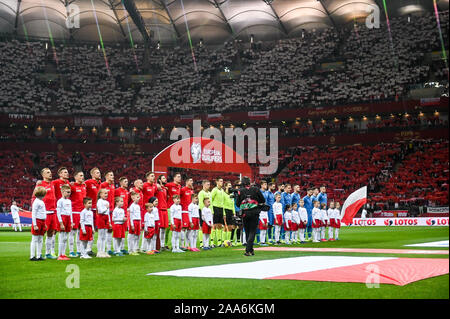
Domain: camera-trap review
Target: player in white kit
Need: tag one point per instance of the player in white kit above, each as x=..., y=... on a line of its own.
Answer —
x=15, y=215
x=303, y=214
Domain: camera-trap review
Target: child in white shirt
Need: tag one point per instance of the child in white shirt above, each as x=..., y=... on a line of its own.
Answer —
x=155, y=213
x=207, y=223
x=330, y=213
x=64, y=214
x=135, y=225
x=149, y=229
x=194, y=221
x=263, y=225
x=316, y=221
x=86, y=225
x=287, y=224
x=103, y=222
x=118, y=217
x=277, y=209
x=38, y=216
x=295, y=223
x=324, y=222
x=303, y=215
x=175, y=220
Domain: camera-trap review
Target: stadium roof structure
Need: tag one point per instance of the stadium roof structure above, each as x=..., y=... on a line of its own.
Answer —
x=178, y=21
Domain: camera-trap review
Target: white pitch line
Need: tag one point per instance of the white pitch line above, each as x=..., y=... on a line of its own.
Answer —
x=442, y=243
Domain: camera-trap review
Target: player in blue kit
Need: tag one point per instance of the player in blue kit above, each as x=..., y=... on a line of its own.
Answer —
x=309, y=206
x=268, y=196
x=322, y=197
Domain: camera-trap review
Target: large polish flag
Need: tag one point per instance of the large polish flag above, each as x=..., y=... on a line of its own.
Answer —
x=352, y=204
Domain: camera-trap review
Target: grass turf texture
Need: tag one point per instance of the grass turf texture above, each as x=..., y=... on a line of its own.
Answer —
x=125, y=277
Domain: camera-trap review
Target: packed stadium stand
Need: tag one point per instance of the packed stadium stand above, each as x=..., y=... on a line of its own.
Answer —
x=280, y=74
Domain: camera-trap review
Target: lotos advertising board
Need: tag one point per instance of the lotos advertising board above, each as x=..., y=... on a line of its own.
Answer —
x=419, y=221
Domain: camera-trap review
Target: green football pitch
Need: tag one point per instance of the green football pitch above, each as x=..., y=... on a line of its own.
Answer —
x=125, y=277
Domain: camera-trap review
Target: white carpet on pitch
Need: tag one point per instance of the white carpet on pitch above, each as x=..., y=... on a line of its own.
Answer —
x=442, y=243
x=271, y=268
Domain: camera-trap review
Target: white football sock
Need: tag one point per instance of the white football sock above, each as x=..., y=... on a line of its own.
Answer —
x=117, y=244
x=71, y=240
x=153, y=243
x=262, y=236
x=136, y=243
x=78, y=239
x=330, y=232
x=206, y=240
x=53, y=244
x=162, y=237
x=122, y=244
x=108, y=240
x=33, y=246
x=89, y=246
x=48, y=245
x=337, y=233
x=143, y=240
x=61, y=240
x=39, y=246
x=130, y=244
x=84, y=245
x=302, y=234
x=99, y=240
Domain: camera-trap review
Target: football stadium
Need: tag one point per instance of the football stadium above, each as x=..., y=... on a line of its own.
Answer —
x=224, y=149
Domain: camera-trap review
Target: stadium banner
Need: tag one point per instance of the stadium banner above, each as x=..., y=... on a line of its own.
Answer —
x=430, y=101
x=5, y=225
x=259, y=115
x=214, y=117
x=391, y=213
x=88, y=121
x=438, y=210
x=25, y=117
x=418, y=221
x=185, y=118
x=282, y=114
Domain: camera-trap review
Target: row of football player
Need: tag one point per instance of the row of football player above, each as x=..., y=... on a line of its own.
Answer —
x=118, y=223
x=295, y=222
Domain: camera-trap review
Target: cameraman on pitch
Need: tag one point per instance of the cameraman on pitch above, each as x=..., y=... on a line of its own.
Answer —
x=251, y=202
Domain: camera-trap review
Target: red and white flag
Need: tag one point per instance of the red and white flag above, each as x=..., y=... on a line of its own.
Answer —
x=352, y=204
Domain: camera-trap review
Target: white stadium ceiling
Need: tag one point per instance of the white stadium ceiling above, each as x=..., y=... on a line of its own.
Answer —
x=170, y=21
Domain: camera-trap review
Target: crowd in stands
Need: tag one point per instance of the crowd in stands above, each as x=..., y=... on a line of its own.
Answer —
x=422, y=175
x=377, y=64
x=378, y=67
x=395, y=173
x=410, y=172
x=290, y=128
